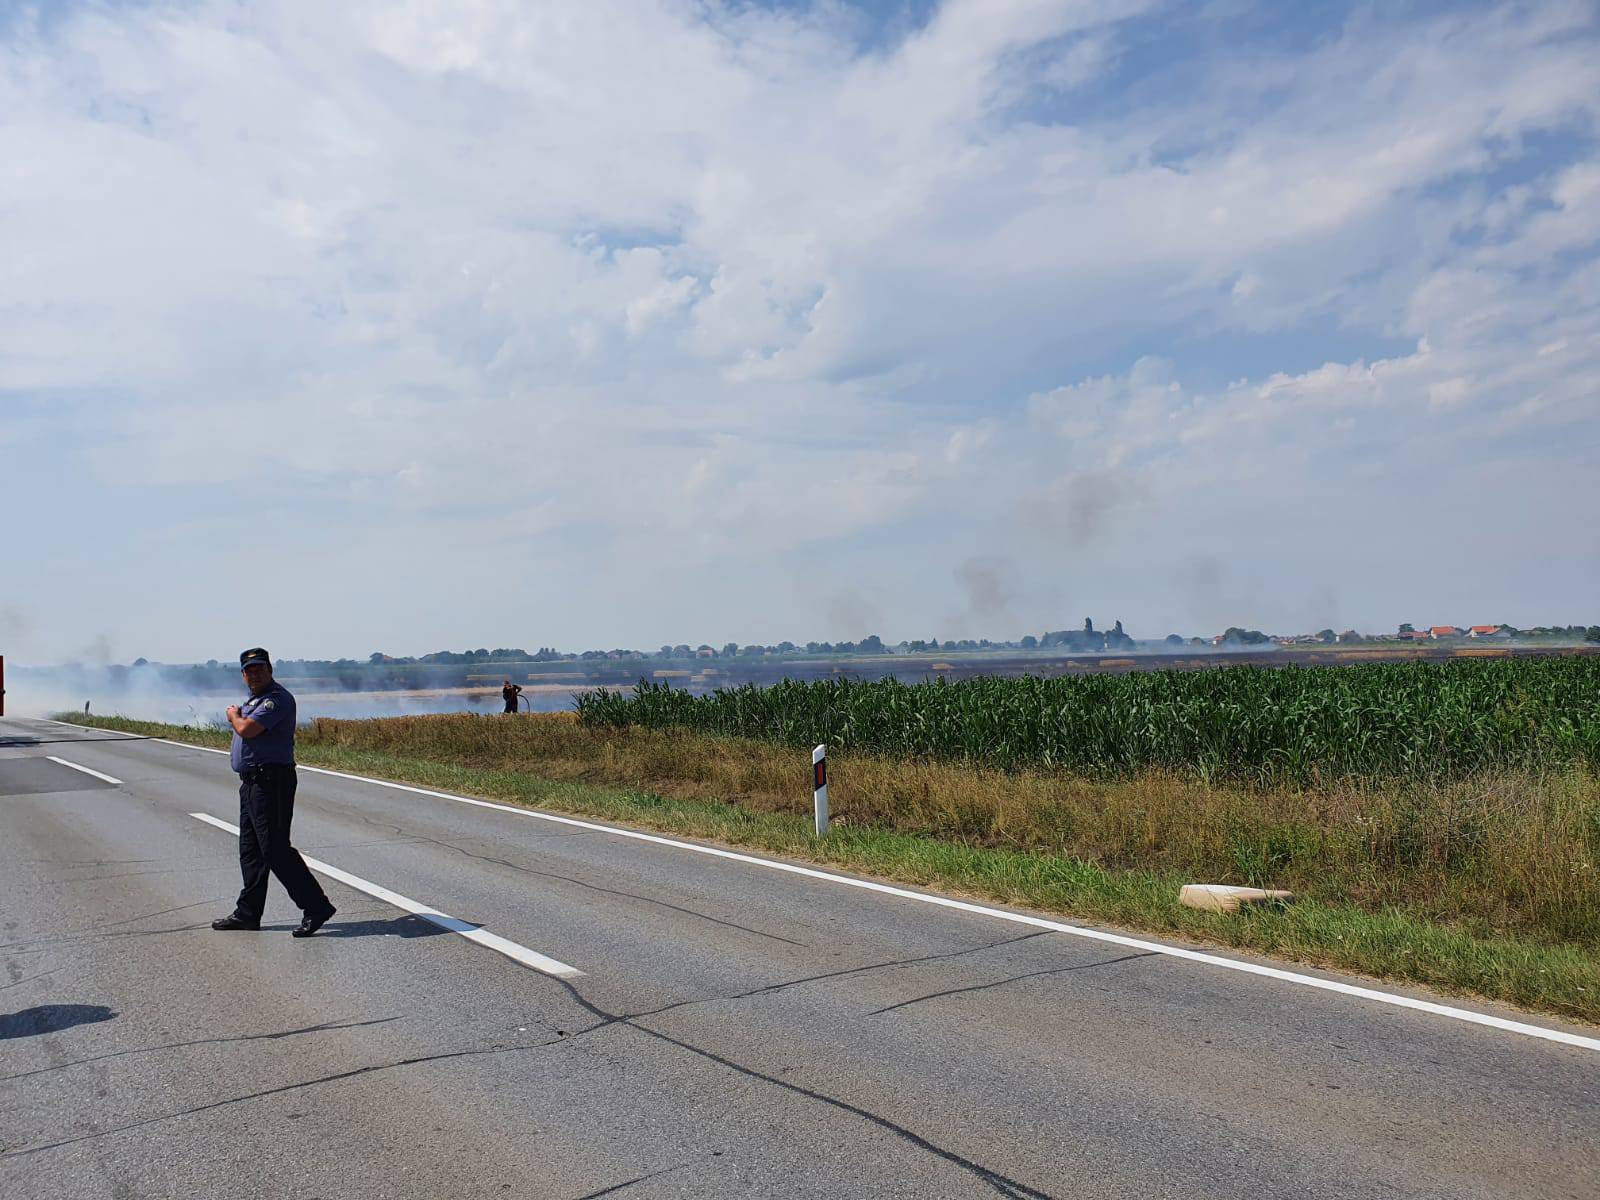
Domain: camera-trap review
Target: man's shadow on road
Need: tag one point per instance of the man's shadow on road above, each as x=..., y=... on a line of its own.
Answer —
x=406, y=926
x=51, y=1018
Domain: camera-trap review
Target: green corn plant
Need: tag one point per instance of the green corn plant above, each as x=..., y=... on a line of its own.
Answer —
x=1376, y=720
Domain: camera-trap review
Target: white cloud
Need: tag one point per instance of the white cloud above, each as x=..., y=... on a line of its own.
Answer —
x=602, y=292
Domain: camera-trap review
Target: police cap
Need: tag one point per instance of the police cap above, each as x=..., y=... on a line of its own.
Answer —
x=252, y=656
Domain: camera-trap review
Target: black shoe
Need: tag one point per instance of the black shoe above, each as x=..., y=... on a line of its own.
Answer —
x=235, y=921
x=310, y=924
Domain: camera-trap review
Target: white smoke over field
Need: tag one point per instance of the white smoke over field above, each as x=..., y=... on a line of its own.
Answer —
x=149, y=693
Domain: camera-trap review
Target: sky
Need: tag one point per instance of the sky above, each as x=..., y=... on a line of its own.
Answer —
x=342, y=328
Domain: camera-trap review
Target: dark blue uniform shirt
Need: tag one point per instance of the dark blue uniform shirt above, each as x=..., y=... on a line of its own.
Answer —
x=273, y=708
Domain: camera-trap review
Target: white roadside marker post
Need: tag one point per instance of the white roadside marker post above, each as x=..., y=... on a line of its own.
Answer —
x=819, y=787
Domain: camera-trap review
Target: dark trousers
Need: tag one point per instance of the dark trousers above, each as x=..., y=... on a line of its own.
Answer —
x=266, y=810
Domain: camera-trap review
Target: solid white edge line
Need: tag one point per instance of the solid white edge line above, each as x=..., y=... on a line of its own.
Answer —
x=1116, y=939
x=492, y=941
x=84, y=769
x=70, y=725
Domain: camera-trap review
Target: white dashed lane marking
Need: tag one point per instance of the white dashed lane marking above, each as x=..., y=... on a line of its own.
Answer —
x=84, y=769
x=492, y=941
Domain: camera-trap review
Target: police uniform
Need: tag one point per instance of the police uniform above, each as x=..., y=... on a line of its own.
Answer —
x=267, y=780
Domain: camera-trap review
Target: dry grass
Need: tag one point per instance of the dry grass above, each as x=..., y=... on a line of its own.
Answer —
x=1512, y=853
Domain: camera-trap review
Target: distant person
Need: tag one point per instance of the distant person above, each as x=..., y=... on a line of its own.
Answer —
x=263, y=755
x=509, y=694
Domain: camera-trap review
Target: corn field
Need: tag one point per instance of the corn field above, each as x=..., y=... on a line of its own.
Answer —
x=1270, y=725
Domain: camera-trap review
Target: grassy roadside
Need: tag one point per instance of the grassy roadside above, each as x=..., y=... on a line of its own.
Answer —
x=1561, y=978
x=1507, y=853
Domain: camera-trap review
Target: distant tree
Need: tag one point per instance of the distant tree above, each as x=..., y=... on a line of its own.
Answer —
x=786, y=647
x=1173, y=639
x=1327, y=636
x=872, y=644
x=1406, y=627
x=212, y=663
x=1235, y=636
x=141, y=662
x=731, y=649
x=1592, y=634
x=1029, y=642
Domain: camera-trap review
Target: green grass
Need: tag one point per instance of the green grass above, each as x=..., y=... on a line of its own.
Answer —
x=1387, y=943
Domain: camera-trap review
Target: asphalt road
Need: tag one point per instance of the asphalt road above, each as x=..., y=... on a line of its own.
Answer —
x=725, y=1030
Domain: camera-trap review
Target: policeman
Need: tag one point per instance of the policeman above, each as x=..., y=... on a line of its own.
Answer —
x=263, y=755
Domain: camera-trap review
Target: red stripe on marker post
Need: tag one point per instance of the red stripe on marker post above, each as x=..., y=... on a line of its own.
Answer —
x=819, y=787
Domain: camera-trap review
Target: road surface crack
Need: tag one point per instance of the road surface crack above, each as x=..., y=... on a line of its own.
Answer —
x=861, y=970
x=335, y=1077
x=216, y=1041
x=97, y=931
x=9, y=743
x=979, y=987
x=628, y=1183
x=30, y=978
x=1002, y=1184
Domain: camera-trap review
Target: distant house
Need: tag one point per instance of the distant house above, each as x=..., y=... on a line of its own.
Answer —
x=1444, y=631
x=1488, y=631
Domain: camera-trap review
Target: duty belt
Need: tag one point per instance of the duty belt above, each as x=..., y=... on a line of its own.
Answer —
x=261, y=769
